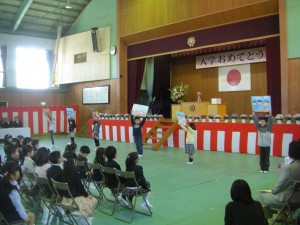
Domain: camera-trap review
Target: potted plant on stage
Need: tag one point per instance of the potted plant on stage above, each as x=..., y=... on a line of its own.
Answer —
x=210, y=117
x=117, y=116
x=297, y=118
x=279, y=118
x=217, y=118
x=203, y=118
x=288, y=118
x=196, y=118
x=226, y=117
x=190, y=118
x=243, y=117
x=126, y=116
x=251, y=118
x=234, y=116
x=179, y=92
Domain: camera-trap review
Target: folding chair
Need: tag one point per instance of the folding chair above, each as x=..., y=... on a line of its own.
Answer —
x=86, y=181
x=291, y=205
x=28, y=190
x=48, y=196
x=106, y=171
x=69, y=209
x=3, y=221
x=134, y=191
x=100, y=185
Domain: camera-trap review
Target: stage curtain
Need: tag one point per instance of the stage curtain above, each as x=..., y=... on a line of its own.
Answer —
x=135, y=77
x=161, y=85
x=273, y=73
x=4, y=58
x=149, y=72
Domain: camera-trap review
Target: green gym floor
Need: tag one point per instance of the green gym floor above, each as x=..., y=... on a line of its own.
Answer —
x=183, y=194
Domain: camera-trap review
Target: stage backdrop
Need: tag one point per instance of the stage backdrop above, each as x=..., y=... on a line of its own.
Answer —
x=210, y=136
x=33, y=117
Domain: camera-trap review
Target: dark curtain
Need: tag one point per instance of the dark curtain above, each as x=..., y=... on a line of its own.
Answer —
x=4, y=58
x=273, y=73
x=161, y=83
x=135, y=77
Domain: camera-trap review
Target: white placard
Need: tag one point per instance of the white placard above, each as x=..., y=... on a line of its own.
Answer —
x=139, y=110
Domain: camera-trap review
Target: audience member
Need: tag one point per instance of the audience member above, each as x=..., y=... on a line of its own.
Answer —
x=27, y=141
x=29, y=165
x=99, y=159
x=11, y=206
x=284, y=186
x=42, y=161
x=71, y=147
x=85, y=202
x=132, y=166
x=19, y=142
x=82, y=156
x=243, y=210
x=5, y=123
x=55, y=171
x=17, y=122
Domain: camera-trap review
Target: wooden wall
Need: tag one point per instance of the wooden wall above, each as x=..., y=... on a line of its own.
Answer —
x=294, y=84
x=206, y=81
x=32, y=98
x=74, y=97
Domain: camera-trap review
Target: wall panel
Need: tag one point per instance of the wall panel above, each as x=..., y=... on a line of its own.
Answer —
x=294, y=84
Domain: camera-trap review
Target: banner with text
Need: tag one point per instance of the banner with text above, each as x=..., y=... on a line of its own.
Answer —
x=245, y=56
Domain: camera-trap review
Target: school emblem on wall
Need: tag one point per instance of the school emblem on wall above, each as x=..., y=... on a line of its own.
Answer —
x=191, y=41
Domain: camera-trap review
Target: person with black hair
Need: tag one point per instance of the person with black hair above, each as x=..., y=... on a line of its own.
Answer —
x=137, y=125
x=85, y=202
x=8, y=140
x=17, y=122
x=99, y=159
x=42, y=161
x=19, y=142
x=27, y=141
x=189, y=141
x=55, y=171
x=28, y=164
x=72, y=126
x=112, y=181
x=5, y=123
x=71, y=147
x=11, y=206
x=36, y=145
x=243, y=210
x=12, y=154
x=131, y=162
x=96, y=132
x=264, y=128
x=284, y=186
x=82, y=156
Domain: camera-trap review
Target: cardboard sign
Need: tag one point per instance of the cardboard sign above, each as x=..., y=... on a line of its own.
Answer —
x=261, y=103
x=70, y=113
x=181, y=118
x=139, y=110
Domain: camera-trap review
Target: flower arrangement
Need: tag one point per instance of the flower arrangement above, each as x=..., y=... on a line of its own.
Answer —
x=210, y=116
x=217, y=116
x=196, y=117
x=288, y=116
x=126, y=116
x=234, y=116
x=296, y=116
x=179, y=92
x=226, y=117
x=251, y=117
x=244, y=116
x=279, y=117
x=160, y=116
x=190, y=116
x=203, y=116
x=117, y=115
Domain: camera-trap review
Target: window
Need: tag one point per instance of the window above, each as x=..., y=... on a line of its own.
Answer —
x=1, y=70
x=32, y=68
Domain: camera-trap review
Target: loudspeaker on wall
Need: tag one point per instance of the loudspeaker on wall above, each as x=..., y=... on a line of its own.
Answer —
x=95, y=40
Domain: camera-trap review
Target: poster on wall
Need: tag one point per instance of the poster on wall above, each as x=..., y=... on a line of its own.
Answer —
x=96, y=95
x=261, y=103
x=181, y=118
x=234, y=78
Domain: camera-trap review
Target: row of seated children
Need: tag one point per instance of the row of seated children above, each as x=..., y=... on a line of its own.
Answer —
x=106, y=157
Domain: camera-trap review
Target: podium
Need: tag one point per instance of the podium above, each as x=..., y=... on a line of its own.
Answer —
x=190, y=108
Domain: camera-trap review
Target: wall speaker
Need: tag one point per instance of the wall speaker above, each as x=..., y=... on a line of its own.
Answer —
x=94, y=32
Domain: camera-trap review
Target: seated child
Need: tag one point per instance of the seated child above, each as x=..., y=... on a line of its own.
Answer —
x=100, y=159
x=84, y=170
x=11, y=205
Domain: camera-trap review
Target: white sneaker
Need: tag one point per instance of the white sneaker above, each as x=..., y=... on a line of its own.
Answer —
x=123, y=201
x=189, y=163
x=140, y=156
x=261, y=171
x=265, y=171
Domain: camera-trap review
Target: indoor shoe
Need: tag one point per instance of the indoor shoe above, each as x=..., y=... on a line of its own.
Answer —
x=265, y=171
x=140, y=156
x=189, y=163
x=123, y=202
x=261, y=171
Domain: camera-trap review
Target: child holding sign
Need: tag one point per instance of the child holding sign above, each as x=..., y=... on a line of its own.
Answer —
x=189, y=142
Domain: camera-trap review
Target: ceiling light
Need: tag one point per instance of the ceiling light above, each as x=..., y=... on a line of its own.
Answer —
x=68, y=6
